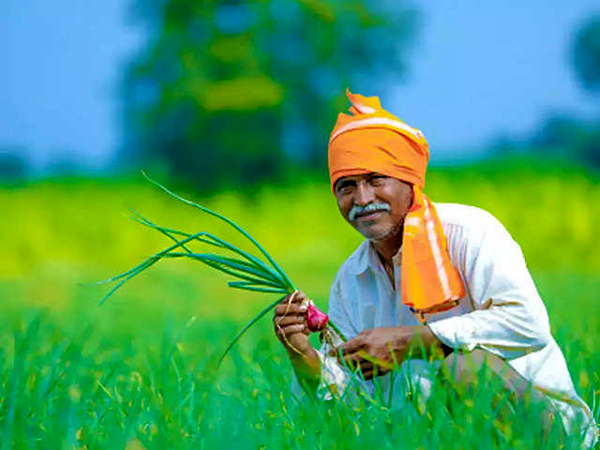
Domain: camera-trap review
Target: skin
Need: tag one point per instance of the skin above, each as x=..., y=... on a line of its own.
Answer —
x=383, y=229
x=374, y=351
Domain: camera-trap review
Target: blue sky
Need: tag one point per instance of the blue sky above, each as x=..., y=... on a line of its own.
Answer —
x=478, y=70
x=486, y=69
x=59, y=82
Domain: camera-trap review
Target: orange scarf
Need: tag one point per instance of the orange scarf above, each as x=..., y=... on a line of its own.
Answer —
x=373, y=140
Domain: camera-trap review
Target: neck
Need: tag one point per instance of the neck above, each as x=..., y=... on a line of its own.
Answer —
x=388, y=247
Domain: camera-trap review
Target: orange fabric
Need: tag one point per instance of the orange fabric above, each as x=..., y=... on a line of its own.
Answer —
x=373, y=140
x=347, y=154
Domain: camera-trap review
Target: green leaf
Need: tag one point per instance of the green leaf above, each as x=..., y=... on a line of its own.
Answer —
x=153, y=258
x=223, y=268
x=215, y=241
x=132, y=274
x=230, y=263
x=256, y=288
x=228, y=221
x=166, y=231
x=247, y=326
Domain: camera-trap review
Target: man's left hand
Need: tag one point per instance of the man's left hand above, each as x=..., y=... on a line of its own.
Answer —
x=375, y=352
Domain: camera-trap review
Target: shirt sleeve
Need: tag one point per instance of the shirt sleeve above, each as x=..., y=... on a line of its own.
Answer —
x=509, y=317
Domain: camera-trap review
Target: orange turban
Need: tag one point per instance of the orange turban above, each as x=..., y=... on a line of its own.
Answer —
x=373, y=140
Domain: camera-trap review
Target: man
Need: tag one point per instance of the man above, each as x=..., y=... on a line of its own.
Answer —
x=445, y=279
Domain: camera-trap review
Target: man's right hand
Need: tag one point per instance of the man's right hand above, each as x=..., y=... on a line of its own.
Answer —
x=290, y=325
x=291, y=330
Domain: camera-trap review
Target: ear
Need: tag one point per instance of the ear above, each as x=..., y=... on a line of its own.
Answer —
x=410, y=191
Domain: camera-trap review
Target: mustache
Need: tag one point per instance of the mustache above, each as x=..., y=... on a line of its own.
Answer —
x=367, y=209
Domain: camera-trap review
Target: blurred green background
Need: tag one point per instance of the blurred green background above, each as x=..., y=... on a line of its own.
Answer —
x=230, y=104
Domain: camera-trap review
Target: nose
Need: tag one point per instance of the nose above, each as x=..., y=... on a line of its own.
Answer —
x=363, y=194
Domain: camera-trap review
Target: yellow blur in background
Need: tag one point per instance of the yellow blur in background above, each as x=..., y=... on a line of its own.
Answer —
x=62, y=233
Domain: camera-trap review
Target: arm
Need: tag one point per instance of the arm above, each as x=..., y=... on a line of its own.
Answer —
x=320, y=375
x=377, y=351
x=289, y=322
x=509, y=318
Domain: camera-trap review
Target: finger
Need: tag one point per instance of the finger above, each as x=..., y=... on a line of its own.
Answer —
x=351, y=361
x=355, y=358
x=367, y=369
x=283, y=321
x=352, y=346
x=365, y=365
x=379, y=371
x=350, y=365
x=292, y=308
x=290, y=329
x=368, y=375
x=378, y=362
x=296, y=297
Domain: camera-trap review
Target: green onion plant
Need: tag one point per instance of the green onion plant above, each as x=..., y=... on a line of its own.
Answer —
x=256, y=273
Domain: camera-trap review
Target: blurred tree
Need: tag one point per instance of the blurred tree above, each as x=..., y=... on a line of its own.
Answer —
x=576, y=138
x=586, y=54
x=224, y=92
x=13, y=165
x=570, y=137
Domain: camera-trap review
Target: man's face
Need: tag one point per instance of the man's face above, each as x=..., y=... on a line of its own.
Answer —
x=374, y=204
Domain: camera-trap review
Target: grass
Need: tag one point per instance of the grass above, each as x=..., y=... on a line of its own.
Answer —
x=139, y=371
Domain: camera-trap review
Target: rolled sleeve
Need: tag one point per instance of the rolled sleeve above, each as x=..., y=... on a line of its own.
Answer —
x=456, y=332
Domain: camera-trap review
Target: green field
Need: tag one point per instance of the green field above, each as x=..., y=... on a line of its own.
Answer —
x=138, y=372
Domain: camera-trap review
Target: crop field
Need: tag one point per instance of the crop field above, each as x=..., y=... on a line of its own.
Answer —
x=139, y=371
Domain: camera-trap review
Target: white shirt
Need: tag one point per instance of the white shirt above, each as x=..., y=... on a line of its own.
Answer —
x=501, y=311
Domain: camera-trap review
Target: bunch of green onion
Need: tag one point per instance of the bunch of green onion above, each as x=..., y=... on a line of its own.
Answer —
x=251, y=273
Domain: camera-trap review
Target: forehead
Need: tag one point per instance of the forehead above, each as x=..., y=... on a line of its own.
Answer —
x=360, y=176
x=355, y=178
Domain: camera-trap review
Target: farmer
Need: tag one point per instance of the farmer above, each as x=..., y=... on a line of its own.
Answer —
x=430, y=281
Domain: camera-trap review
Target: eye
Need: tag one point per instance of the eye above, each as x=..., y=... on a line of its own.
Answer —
x=377, y=180
x=344, y=187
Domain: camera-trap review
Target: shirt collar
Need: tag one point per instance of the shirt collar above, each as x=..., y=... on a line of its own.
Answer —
x=367, y=258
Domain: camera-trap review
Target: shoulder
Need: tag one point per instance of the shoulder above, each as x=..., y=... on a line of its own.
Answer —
x=468, y=220
x=474, y=235
x=464, y=215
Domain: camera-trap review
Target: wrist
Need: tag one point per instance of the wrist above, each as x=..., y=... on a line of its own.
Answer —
x=307, y=368
x=425, y=344
x=307, y=362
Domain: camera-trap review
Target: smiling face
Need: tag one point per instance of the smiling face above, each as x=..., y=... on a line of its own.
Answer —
x=374, y=204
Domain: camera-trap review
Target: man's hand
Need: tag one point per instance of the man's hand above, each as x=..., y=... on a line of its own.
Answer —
x=289, y=322
x=375, y=352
